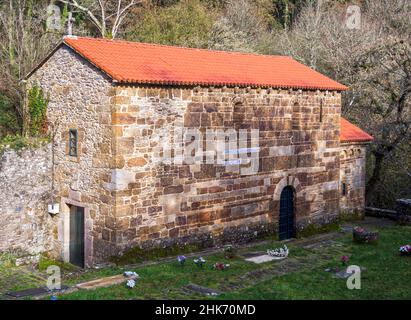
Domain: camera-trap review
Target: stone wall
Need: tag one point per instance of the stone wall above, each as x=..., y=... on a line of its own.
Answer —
x=162, y=204
x=25, y=190
x=352, y=174
x=79, y=98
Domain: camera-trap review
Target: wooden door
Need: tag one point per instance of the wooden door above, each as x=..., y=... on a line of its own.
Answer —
x=286, y=224
x=77, y=236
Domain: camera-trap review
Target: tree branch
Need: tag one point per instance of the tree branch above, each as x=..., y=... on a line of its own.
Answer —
x=92, y=17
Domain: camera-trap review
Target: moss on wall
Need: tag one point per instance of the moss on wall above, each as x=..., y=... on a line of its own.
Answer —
x=352, y=215
x=315, y=228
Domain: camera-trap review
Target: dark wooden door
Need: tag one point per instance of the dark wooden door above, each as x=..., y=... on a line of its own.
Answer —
x=77, y=236
x=286, y=224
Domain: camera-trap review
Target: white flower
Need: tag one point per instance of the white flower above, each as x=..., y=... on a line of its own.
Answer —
x=279, y=252
x=130, y=274
x=131, y=283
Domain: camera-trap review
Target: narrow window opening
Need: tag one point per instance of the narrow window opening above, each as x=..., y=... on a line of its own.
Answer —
x=344, y=189
x=73, y=142
x=321, y=110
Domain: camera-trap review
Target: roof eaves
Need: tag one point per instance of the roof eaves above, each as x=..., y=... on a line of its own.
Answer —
x=229, y=84
x=357, y=141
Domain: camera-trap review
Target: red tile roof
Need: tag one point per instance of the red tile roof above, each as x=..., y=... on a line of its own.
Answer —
x=135, y=62
x=351, y=133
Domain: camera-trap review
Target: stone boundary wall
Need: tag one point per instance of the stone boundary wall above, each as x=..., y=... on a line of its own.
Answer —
x=25, y=186
x=352, y=174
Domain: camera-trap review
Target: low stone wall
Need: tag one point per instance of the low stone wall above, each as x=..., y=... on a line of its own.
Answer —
x=352, y=179
x=403, y=207
x=25, y=185
x=401, y=214
x=380, y=213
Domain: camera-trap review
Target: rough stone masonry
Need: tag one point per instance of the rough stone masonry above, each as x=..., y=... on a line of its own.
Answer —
x=25, y=185
x=131, y=199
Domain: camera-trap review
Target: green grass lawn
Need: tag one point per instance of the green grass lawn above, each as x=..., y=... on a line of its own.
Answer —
x=303, y=275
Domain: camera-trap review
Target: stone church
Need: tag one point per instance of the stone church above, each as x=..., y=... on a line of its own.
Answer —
x=120, y=179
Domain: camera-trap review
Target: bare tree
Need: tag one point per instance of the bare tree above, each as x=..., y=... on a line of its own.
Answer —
x=386, y=71
x=242, y=27
x=23, y=42
x=373, y=61
x=106, y=15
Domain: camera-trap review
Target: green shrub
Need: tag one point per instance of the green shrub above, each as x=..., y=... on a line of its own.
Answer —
x=19, y=142
x=7, y=259
x=37, y=110
x=187, y=23
x=46, y=262
x=314, y=229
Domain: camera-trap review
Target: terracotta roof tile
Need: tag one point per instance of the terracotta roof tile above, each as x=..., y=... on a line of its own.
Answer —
x=158, y=64
x=351, y=133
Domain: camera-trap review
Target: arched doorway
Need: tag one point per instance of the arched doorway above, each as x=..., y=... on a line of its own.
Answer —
x=286, y=223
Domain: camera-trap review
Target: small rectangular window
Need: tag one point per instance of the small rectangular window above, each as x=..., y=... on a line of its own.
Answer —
x=73, y=142
x=321, y=110
x=344, y=189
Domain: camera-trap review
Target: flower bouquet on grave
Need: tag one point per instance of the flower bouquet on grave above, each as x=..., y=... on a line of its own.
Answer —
x=405, y=250
x=221, y=266
x=132, y=278
x=130, y=274
x=200, y=262
x=344, y=260
x=131, y=283
x=229, y=251
x=361, y=235
x=181, y=260
x=279, y=253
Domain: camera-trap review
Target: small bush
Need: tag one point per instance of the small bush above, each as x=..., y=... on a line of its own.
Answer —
x=314, y=229
x=230, y=251
x=37, y=109
x=7, y=259
x=46, y=262
x=18, y=142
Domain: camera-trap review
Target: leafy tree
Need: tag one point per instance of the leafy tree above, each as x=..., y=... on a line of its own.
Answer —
x=187, y=23
x=24, y=40
x=285, y=11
